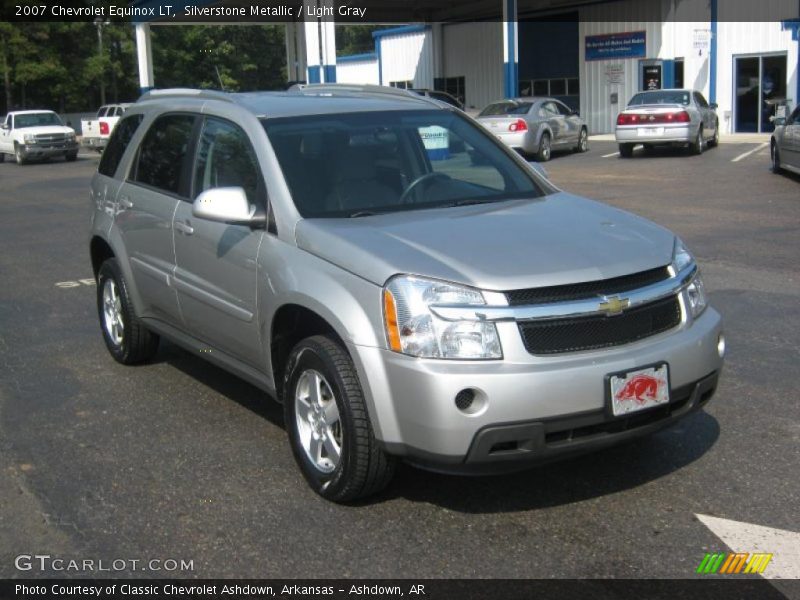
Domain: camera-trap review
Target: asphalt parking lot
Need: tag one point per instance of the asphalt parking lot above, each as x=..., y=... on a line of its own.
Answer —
x=179, y=460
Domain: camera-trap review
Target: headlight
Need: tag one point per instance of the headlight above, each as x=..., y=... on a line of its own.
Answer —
x=696, y=296
x=681, y=257
x=71, y=137
x=412, y=329
x=29, y=138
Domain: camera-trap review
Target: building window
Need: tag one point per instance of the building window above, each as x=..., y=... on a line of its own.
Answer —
x=573, y=87
x=679, y=73
x=403, y=85
x=455, y=86
x=558, y=87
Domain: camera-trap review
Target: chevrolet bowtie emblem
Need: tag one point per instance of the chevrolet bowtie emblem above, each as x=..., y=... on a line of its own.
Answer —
x=614, y=305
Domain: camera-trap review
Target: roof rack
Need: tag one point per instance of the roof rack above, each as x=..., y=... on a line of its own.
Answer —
x=185, y=93
x=351, y=87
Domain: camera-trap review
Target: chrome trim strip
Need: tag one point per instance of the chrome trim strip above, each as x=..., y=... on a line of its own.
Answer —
x=560, y=310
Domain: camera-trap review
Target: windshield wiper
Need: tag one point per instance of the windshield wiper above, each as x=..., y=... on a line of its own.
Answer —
x=361, y=213
x=469, y=202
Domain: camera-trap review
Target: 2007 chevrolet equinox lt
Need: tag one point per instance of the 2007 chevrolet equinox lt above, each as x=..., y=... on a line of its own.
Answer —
x=406, y=286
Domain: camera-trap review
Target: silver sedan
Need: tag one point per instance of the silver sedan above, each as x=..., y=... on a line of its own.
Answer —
x=535, y=126
x=667, y=117
x=785, y=144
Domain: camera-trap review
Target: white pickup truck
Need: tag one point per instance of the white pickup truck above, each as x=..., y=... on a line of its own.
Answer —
x=31, y=134
x=96, y=131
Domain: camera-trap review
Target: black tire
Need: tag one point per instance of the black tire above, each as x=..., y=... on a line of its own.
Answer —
x=19, y=155
x=71, y=156
x=2, y=157
x=776, y=158
x=698, y=145
x=625, y=150
x=583, y=141
x=137, y=344
x=545, y=149
x=714, y=141
x=363, y=467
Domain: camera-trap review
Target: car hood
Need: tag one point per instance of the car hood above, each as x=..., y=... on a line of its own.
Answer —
x=554, y=240
x=46, y=129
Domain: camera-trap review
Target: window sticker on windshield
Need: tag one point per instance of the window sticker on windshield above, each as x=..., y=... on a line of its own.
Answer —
x=437, y=142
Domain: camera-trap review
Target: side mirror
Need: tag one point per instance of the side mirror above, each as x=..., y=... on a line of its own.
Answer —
x=4, y=127
x=227, y=205
x=777, y=121
x=714, y=105
x=577, y=113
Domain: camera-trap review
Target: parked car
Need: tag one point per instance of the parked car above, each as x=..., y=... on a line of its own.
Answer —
x=95, y=132
x=535, y=126
x=785, y=143
x=442, y=96
x=667, y=117
x=36, y=134
x=400, y=302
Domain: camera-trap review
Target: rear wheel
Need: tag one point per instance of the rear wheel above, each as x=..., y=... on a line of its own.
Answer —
x=626, y=150
x=698, y=145
x=543, y=155
x=583, y=141
x=128, y=341
x=329, y=429
x=776, y=158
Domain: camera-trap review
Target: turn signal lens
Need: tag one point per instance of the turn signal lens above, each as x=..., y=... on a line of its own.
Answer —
x=390, y=319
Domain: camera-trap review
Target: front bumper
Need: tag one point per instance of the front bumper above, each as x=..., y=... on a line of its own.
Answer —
x=43, y=150
x=670, y=134
x=414, y=414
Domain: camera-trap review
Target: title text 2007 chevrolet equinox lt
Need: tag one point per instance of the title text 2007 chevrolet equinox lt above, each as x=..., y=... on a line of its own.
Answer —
x=406, y=286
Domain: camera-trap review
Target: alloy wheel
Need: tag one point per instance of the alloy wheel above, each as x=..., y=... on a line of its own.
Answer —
x=112, y=312
x=319, y=426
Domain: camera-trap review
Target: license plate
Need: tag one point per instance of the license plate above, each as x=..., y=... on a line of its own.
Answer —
x=638, y=390
x=650, y=131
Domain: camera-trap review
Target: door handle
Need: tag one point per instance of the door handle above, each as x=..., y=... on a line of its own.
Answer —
x=185, y=227
x=125, y=202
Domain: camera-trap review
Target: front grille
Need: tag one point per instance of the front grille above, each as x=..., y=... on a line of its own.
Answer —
x=575, y=334
x=47, y=138
x=587, y=289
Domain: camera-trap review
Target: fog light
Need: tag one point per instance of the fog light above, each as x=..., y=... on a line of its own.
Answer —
x=464, y=399
x=721, y=345
x=471, y=401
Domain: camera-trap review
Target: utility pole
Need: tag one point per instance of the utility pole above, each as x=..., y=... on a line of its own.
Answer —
x=99, y=24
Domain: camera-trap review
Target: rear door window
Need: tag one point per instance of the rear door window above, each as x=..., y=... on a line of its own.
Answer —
x=163, y=154
x=117, y=144
x=500, y=109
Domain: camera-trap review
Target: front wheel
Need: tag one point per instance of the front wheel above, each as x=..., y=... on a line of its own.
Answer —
x=71, y=156
x=2, y=157
x=776, y=159
x=329, y=429
x=19, y=155
x=128, y=341
x=714, y=141
x=543, y=154
x=583, y=141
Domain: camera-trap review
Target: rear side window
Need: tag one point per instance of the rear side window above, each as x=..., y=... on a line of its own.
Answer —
x=120, y=138
x=163, y=153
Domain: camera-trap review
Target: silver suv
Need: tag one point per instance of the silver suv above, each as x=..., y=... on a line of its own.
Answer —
x=405, y=285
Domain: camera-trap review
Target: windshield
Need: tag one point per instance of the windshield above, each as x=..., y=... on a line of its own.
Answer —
x=36, y=120
x=499, y=109
x=673, y=97
x=359, y=164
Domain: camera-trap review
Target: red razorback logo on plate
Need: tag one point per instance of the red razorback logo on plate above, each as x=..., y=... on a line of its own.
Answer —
x=641, y=388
